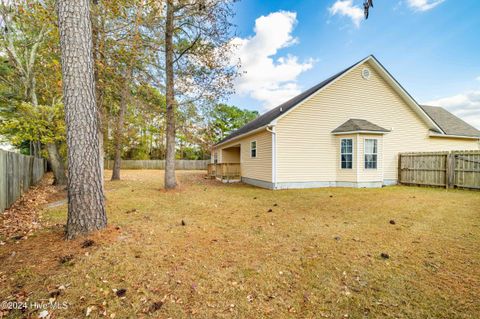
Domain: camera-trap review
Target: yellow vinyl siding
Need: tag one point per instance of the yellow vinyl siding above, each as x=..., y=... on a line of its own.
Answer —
x=231, y=155
x=259, y=168
x=307, y=151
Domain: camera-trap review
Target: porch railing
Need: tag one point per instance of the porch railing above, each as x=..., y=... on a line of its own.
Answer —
x=225, y=171
x=211, y=170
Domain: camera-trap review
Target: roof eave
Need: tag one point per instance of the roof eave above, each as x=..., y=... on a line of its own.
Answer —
x=454, y=136
x=261, y=128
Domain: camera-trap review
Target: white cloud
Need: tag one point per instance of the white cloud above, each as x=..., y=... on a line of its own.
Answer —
x=264, y=78
x=423, y=5
x=477, y=78
x=346, y=8
x=466, y=106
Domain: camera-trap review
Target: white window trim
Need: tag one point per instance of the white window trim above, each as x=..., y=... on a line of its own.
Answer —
x=365, y=153
x=256, y=149
x=353, y=152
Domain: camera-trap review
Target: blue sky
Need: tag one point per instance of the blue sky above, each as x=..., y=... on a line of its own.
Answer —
x=432, y=47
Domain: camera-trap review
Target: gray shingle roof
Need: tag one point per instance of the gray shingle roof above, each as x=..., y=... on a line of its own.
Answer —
x=449, y=123
x=355, y=125
x=271, y=115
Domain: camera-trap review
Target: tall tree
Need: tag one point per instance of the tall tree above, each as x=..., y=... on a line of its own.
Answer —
x=170, y=180
x=197, y=61
x=86, y=202
x=26, y=28
x=129, y=68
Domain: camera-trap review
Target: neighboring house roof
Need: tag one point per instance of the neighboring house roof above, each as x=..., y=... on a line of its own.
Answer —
x=449, y=123
x=272, y=115
x=358, y=125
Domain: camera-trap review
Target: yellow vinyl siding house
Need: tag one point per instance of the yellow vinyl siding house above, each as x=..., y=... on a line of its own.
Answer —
x=346, y=131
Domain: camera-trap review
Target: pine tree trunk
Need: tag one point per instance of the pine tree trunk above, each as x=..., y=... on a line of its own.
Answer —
x=98, y=46
x=119, y=131
x=58, y=167
x=86, y=203
x=124, y=99
x=170, y=181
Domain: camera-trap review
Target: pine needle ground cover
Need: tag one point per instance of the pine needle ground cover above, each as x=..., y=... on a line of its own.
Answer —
x=210, y=250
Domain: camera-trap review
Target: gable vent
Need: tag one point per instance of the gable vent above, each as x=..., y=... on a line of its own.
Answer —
x=366, y=74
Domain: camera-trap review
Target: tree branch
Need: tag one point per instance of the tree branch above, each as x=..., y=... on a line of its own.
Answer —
x=187, y=49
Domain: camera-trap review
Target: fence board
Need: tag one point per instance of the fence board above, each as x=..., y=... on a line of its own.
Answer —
x=467, y=170
x=459, y=169
x=17, y=173
x=159, y=164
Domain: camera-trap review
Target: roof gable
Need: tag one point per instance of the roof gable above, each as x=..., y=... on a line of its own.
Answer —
x=276, y=112
x=282, y=110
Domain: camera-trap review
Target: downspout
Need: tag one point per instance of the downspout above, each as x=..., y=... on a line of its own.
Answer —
x=271, y=129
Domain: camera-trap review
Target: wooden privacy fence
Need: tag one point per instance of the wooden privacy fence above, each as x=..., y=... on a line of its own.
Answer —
x=445, y=169
x=159, y=164
x=17, y=173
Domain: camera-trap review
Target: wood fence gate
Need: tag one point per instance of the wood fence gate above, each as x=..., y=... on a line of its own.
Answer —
x=459, y=169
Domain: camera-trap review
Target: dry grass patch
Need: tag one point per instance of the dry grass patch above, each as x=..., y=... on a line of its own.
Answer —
x=252, y=253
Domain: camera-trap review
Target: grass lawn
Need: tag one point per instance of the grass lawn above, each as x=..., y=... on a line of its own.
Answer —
x=246, y=252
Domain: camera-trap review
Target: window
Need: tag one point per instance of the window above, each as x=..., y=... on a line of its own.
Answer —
x=215, y=157
x=371, y=154
x=253, y=149
x=346, y=153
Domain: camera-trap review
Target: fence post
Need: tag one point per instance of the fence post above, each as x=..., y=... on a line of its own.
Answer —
x=450, y=173
x=399, y=177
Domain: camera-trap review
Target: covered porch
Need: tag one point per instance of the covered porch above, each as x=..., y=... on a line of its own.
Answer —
x=226, y=166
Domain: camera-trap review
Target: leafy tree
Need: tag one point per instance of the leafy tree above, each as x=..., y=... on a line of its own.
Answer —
x=197, y=61
x=30, y=43
x=224, y=119
x=145, y=124
x=39, y=123
x=136, y=19
x=23, y=32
